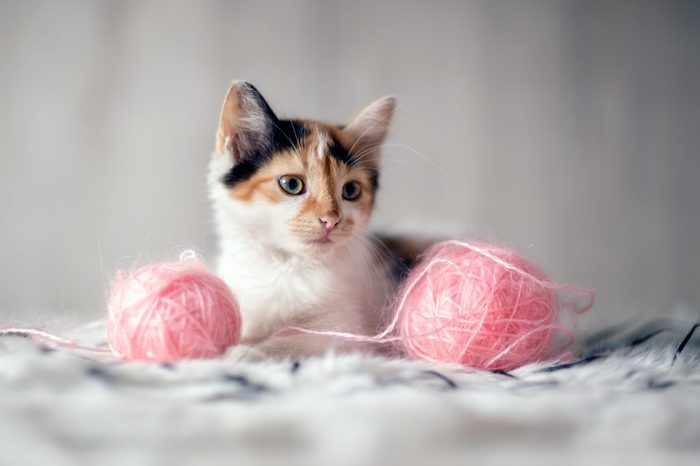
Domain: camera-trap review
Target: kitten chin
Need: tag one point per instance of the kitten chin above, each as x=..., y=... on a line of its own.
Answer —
x=292, y=199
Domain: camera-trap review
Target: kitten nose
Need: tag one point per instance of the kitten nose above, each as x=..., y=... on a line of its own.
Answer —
x=329, y=221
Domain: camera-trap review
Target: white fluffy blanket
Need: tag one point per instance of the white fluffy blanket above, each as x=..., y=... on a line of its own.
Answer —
x=633, y=399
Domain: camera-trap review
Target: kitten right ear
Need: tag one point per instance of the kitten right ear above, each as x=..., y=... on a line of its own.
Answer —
x=368, y=129
x=246, y=125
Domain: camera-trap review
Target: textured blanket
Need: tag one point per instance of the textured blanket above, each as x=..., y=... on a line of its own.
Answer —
x=632, y=398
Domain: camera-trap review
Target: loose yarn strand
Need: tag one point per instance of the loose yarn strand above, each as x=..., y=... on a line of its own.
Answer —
x=49, y=339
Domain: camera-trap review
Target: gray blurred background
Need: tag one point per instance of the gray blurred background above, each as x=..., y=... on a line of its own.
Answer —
x=568, y=129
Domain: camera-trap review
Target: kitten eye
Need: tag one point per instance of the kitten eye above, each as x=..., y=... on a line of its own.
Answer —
x=351, y=190
x=291, y=184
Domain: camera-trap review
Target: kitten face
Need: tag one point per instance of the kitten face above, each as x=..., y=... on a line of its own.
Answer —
x=297, y=194
x=300, y=186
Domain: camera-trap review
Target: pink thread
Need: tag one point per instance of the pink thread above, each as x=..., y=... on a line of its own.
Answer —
x=172, y=311
x=49, y=339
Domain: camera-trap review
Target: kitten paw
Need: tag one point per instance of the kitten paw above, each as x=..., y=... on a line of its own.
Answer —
x=244, y=353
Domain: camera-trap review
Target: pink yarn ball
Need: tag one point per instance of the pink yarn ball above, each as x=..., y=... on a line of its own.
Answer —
x=171, y=311
x=478, y=305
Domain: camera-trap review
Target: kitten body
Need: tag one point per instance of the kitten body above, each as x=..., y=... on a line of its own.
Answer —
x=302, y=258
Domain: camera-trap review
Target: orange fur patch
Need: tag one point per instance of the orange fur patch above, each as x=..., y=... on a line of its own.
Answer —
x=264, y=184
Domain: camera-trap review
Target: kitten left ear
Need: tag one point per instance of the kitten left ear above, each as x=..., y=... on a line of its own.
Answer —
x=368, y=129
x=246, y=125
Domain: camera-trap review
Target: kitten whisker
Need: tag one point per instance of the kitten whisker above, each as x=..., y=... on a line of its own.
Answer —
x=296, y=138
x=364, y=272
x=371, y=167
x=365, y=152
x=420, y=154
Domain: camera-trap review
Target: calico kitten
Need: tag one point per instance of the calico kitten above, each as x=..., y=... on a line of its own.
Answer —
x=292, y=200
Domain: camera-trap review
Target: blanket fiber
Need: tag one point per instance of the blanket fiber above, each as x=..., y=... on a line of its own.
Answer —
x=629, y=397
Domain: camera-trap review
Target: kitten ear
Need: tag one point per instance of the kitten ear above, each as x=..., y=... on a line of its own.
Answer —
x=368, y=129
x=246, y=125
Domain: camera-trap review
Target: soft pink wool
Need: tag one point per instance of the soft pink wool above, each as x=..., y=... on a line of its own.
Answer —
x=478, y=305
x=171, y=311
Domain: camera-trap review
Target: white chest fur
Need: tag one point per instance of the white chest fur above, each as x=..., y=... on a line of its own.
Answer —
x=343, y=291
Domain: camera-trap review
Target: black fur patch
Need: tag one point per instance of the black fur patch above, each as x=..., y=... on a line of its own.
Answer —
x=286, y=134
x=341, y=154
x=242, y=171
x=374, y=179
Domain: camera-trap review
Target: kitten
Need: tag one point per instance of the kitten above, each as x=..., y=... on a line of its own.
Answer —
x=292, y=199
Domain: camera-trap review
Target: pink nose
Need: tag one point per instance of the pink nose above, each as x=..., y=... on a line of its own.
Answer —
x=329, y=222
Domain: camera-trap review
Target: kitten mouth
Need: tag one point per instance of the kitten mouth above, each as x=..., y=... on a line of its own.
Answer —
x=322, y=240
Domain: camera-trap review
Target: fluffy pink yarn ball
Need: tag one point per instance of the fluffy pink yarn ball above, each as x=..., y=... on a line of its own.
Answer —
x=171, y=311
x=478, y=305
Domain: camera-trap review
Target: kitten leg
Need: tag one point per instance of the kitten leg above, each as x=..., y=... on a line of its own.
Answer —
x=245, y=353
x=307, y=345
